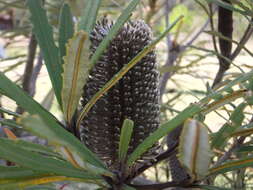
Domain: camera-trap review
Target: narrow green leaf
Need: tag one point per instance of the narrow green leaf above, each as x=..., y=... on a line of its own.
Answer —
x=41, y=187
x=9, y=123
x=89, y=15
x=14, y=172
x=12, y=152
x=23, y=183
x=114, y=30
x=194, y=148
x=75, y=72
x=209, y=187
x=47, y=102
x=66, y=29
x=163, y=130
x=245, y=12
x=125, y=137
x=29, y=146
x=44, y=34
x=30, y=105
x=232, y=165
x=227, y=129
x=126, y=187
x=61, y=138
x=123, y=71
x=2, y=110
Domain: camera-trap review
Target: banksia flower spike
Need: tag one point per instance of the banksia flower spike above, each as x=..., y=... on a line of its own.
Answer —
x=134, y=97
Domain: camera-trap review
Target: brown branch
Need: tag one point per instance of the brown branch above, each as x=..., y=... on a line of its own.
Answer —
x=163, y=156
x=29, y=64
x=35, y=74
x=152, y=11
x=246, y=36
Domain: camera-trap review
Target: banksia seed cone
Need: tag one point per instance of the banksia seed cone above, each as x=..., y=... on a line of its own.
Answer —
x=134, y=97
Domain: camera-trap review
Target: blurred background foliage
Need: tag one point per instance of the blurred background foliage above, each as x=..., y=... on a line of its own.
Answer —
x=187, y=62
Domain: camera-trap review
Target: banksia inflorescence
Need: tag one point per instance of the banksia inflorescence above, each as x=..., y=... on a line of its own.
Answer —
x=134, y=97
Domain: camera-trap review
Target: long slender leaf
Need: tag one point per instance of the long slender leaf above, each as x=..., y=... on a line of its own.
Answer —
x=35, y=147
x=123, y=71
x=125, y=137
x=89, y=15
x=41, y=187
x=2, y=110
x=11, y=151
x=21, y=184
x=10, y=123
x=245, y=12
x=44, y=34
x=209, y=187
x=228, y=128
x=232, y=165
x=14, y=172
x=162, y=131
x=62, y=139
x=75, y=72
x=114, y=30
x=66, y=29
x=14, y=92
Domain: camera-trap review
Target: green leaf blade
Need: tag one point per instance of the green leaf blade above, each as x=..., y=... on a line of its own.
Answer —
x=44, y=34
x=125, y=137
x=11, y=151
x=66, y=29
x=162, y=131
x=114, y=30
x=75, y=72
x=89, y=15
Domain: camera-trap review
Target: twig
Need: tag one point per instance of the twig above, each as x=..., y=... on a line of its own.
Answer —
x=152, y=11
x=29, y=64
x=247, y=34
x=35, y=74
x=159, y=158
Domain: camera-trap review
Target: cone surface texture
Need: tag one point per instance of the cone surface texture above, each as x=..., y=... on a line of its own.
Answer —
x=135, y=96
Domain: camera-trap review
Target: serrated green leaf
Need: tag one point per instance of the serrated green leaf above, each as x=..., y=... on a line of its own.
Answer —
x=44, y=35
x=89, y=15
x=61, y=138
x=75, y=72
x=227, y=129
x=14, y=92
x=125, y=137
x=66, y=29
x=194, y=148
x=9, y=150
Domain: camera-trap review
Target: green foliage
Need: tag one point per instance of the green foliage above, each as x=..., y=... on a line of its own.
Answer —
x=67, y=158
x=44, y=34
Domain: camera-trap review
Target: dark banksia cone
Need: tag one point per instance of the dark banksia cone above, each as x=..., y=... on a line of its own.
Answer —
x=134, y=97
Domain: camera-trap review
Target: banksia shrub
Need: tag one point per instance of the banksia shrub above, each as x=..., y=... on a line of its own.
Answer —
x=134, y=97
